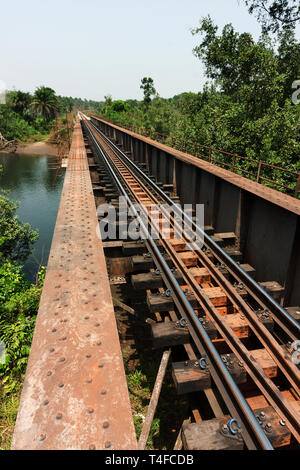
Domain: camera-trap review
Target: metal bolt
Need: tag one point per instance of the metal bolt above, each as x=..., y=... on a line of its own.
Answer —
x=262, y=416
x=268, y=427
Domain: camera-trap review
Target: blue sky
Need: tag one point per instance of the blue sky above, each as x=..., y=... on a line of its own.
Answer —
x=89, y=48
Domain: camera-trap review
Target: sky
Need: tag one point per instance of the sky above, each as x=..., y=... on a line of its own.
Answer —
x=91, y=48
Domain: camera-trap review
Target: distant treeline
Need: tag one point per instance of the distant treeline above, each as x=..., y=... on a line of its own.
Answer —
x=30, y=116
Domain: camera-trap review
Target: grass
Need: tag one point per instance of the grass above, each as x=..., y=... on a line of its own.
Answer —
x=38, y=137
x=168, y=416
x=141, y=365
x=8, y=413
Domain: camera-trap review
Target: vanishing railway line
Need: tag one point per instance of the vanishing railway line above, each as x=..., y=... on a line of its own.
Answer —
x=238, y=340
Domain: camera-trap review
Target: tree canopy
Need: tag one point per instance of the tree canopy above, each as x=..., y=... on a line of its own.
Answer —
x=244, y=108
x=275, y=14
x=16, y=238
x=45, y=102
x=147, y=84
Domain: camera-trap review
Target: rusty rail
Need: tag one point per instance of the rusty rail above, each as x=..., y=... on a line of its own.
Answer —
x=252, y=433
x=280, y=315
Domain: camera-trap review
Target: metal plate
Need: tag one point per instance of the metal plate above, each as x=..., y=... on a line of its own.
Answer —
x=75, y=393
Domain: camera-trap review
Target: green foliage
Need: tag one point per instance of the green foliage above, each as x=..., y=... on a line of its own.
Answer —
x=17, y=337
x=135, y=379
x=16, y=238
x=19, y=102
x=9, y=404
x=275, y=14
x=19, y=302
x=45, y=103
x=12, y=125
x=12, y=281
x=30, y=117
x=246, y=107
x=147, y=85
x=19, y=299
x=242, y=68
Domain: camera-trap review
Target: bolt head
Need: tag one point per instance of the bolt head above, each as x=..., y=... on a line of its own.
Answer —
x=268, y=427
x=225, y=428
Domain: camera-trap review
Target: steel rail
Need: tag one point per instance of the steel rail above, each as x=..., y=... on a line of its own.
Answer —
x=286, y=321
x=253, y=434
x=284, y=362
x=267, y=387
x=288, y=368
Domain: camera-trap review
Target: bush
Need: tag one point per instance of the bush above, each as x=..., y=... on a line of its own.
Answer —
x=19, y=302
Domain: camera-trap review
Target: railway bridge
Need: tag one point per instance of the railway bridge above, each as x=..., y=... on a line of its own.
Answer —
x=224, y=313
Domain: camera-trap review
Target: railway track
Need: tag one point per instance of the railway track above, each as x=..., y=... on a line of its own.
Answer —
x=240, y=344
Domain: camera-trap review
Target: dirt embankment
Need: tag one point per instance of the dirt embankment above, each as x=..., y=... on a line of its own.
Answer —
x=37, y=148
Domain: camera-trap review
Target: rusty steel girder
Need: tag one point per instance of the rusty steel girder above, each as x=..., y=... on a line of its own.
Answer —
x=75, y=393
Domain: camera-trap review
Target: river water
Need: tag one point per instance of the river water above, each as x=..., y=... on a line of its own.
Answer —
x=32, y=183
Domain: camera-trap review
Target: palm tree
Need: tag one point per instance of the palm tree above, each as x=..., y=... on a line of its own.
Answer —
x=45, y=102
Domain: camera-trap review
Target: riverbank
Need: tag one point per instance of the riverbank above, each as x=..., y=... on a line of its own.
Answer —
x=35, y=149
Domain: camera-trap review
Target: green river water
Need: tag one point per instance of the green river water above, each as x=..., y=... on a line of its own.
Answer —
x=33, y=184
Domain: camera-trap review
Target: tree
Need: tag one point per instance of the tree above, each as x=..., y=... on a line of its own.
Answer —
x=119, y=106
x=19, y=102
x=245, y=69
x=147, y=85
x=16, y=238
x=45, y=102
x=289, y=59
x=275, y=14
